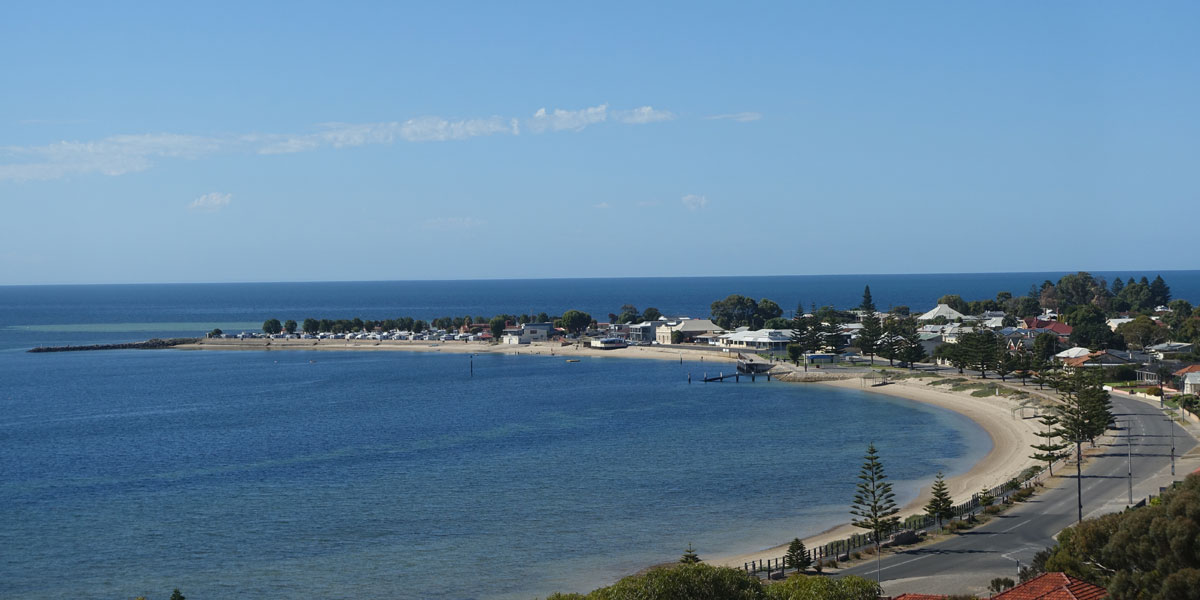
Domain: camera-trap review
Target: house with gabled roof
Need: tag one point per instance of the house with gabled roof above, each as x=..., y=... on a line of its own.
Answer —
x=1047, y=586
x=1053, y=586
x=688, y=328
x=942, y=310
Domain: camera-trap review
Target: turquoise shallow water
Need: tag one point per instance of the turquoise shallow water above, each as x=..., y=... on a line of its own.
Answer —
x=261, y=474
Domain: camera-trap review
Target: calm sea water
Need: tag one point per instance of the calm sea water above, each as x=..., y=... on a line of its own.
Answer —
x=267, y=474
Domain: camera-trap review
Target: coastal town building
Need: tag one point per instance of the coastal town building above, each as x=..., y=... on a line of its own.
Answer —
x=942, y=310
x=1160, y=350
x=689, y=328
x=527, y=333
x=765, y=340
x=1106, y=358
x=1191, y=383
x=643, y=333
x=1048, y=586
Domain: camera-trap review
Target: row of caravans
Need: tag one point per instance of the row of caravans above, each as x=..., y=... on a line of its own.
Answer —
x=363, y=335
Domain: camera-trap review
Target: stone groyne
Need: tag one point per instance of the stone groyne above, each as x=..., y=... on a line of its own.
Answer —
x=151, y=344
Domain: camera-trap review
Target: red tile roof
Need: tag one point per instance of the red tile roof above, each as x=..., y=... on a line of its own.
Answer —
x=1059, y=328
x=1053, y=586
x=1186, y=370
x=1055, y=326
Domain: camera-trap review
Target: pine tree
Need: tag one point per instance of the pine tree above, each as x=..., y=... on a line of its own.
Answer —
x=911, y=349
x=1007, y=364
x=981, y=348
x=889, y=345
x=940, y=506
x=1049, y=450
x=800, y=335
x=689, y=556
x=868, y=305
x=1084, y=412
x=874, y=503
x=797, y=556
x=1160, y=294
x=1117, y=286
x=176, y=595
x=870, y=334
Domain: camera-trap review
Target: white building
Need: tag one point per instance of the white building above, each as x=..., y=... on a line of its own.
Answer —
x=769, y=340
x=942, y=310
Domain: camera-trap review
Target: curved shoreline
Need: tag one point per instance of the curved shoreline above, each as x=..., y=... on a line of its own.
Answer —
x=1011, y=435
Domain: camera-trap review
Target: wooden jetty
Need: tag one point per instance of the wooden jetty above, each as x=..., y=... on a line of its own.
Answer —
x=735, y=376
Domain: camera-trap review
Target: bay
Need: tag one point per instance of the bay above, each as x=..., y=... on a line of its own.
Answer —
x=259, y=474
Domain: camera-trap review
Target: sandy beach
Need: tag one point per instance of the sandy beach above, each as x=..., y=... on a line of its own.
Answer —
x=1011, y=435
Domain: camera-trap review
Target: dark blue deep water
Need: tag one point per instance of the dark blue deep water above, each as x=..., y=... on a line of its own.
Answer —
x=368, y=475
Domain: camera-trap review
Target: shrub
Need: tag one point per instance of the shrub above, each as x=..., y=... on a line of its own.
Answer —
x=1000, y=584
x=800, y=587
x=1189, y=402
x=1153, y=391
x=683, y=583
x=856, y=555
x=993, y=509
x=1022, y=495
x=953, y=526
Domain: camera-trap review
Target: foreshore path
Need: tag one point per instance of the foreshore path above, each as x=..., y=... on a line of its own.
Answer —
x=967, y=562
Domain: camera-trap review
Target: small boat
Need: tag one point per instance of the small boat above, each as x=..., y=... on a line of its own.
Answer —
x=572, y=360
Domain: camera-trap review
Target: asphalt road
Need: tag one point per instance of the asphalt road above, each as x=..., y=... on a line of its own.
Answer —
x=965, y=563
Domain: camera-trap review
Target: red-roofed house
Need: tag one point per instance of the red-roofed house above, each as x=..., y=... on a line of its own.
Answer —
x=1053, y=586
x=1049, y=586
x=1186, y=370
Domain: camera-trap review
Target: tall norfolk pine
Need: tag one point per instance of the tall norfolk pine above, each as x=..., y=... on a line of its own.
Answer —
x=874, y=503
x=940, y=506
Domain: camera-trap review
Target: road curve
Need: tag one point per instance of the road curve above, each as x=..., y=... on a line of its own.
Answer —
x=966, y=562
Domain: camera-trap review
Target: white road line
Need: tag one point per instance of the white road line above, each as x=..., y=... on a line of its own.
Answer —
x=906, y=562
x=1013, y=527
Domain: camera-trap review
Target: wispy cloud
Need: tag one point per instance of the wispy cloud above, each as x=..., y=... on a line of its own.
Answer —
x=116, y=155
x=574, y=120
x=694, y=202
x=643, y=115
x=602, y=205
x=453, y=223
x=121, y=154
x=742, y=117
x=211, y=202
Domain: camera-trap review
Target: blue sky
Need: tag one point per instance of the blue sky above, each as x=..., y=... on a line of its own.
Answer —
x=141, y=142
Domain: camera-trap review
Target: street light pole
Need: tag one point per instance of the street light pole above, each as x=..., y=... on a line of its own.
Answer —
x=1079, y=476
x=1171, y=424
x=1129, y=455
